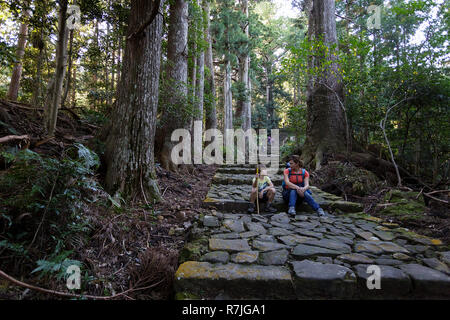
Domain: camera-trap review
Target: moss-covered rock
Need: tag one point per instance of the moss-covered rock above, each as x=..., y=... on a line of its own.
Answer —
x=403, y=205
x=337, y=177
x=194, y=250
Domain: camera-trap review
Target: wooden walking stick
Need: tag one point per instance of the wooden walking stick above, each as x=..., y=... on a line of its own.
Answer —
x=257, y=189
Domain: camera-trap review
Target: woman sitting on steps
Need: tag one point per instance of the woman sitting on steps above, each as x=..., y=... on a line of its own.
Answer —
x=296, y=186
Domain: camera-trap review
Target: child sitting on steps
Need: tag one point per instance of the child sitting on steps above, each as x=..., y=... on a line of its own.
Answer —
x=265, y=190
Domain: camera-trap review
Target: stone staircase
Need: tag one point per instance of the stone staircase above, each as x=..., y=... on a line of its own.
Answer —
x=234, y=255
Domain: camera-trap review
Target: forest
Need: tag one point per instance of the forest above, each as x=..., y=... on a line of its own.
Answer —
x=92, y=91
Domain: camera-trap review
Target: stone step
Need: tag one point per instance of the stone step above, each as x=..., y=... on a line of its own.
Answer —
x=270, y=256
x=205, y=280
x=236, y=198
x=232, y=178
x=236, y=170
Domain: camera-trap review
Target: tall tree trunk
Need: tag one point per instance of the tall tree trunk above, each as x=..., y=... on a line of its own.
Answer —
x=177, y=78
x=113, y=68
x=211, y=116
x=193, y=59
x=69, y=69
x=56, y=84
x=228, y=107
x=119, y=59
x=108, y=50
x=269, y=94
x=326, y=131
x=245, y=76
x=200, y=81
x=36, y=97
x=17, y=70
x=74, y=88
x=130, y=143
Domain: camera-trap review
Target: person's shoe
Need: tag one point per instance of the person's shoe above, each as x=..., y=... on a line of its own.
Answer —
x=321, y=213
x=251, y=209
x=270, y=208
x=291, y=211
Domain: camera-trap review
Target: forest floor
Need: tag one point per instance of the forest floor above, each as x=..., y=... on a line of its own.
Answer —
x=132, y=247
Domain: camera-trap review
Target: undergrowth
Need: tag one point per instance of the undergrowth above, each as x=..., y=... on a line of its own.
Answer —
x=42, y=219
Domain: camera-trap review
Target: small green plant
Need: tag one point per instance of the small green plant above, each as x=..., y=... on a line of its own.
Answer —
x=57, y=264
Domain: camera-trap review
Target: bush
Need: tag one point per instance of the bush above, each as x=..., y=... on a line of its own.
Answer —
x=40, y=205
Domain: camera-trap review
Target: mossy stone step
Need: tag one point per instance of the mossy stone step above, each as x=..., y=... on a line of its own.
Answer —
x=232, y=178
x=205, y=280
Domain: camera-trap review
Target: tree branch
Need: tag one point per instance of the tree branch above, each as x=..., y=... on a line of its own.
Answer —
x=12, y=137
x=69, y=295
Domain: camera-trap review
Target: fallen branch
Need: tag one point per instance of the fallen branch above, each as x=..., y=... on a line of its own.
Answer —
x=14, y=137
x=70, y=295
x=386, y=204
x=440, y=200
x=437, y=191
x=44, y=141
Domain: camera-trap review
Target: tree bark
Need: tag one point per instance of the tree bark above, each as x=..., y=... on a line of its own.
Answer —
x=200, y=79
x=326, y=131
x=74, y=88
x=17, y=70
x=211, y=116
x=69, y=70
x=36, y=97
x=56, y=84
x=177, y=78
x=245, y=76
x=130, y=143
x=228, y=107
x=269, y=94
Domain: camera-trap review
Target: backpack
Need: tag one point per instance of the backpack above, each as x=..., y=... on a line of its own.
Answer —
x=283, y=184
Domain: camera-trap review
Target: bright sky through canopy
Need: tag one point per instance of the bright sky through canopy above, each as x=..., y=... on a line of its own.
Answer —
x=284, y=9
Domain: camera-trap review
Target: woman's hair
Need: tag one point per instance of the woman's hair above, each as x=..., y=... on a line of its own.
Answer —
x=297, y=160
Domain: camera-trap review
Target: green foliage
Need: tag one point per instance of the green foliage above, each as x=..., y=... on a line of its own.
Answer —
x=35, y=183
x=56, y=264
x=44, y=194
x=382, y=68
x=16, y=248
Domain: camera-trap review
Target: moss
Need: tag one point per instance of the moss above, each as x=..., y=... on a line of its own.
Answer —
x=406, y=205
x=186, y=296
x=194, y=250
x=410, y=235
x=357, y=215
x=398, y=196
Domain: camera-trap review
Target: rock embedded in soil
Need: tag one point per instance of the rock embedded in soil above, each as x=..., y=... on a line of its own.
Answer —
x=305, y=251
x=355, y=258
x=245, y=257
x=267, y=246
x=210, y=221
x=216, y=257
x=277, y=257
x=228, y=245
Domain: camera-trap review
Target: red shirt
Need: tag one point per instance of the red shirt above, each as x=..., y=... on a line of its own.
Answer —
x=296, y=177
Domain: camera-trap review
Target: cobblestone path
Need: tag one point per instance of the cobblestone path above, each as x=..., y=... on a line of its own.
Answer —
x=234, y=255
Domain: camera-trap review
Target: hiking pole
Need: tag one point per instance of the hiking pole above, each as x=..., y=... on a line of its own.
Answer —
x=257, y=190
